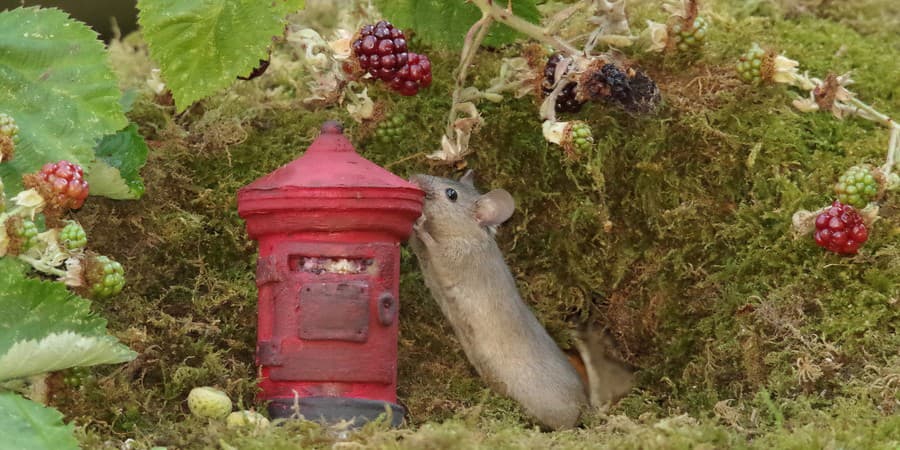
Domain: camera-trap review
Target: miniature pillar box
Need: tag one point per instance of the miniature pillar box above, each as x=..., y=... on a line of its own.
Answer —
x=329, y=227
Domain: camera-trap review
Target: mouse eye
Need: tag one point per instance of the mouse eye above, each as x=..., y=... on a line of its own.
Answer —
x=451, y=194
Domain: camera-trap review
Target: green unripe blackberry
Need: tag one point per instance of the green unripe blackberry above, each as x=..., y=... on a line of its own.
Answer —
x=688, y=36
x=749, y=67
x=27, y=232
x=857, y=187
x=72, y=236
x=8, y=127
x=390, y=131
x=105, y=277
x=581, y=138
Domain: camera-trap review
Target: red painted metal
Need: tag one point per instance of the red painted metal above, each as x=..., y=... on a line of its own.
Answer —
x=329, y=227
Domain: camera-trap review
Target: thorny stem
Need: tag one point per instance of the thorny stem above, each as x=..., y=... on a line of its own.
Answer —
x=474, y=37
x=866, y=111
x=506, y=17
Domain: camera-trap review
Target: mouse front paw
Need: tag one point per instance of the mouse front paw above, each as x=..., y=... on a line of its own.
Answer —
x=422, y=233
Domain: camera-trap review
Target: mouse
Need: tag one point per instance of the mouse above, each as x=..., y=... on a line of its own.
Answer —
x=465, y=271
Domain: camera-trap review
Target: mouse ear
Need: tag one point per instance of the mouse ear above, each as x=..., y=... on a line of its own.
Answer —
x=468, y=178
x=494, y=207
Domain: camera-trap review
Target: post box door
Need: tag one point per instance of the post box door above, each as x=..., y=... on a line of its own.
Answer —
x=336, y=315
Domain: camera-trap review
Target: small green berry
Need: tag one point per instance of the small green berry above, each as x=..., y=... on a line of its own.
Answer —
x=72, y=236
x=857, y=187
x=390, y=131
x=8, y=127
x=28, y=232
x=748, y=67
x=209, y=402
x=691, y=36
x=106, y=277
x=581, y=139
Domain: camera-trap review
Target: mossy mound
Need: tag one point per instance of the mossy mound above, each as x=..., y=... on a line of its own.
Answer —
x=675, y=233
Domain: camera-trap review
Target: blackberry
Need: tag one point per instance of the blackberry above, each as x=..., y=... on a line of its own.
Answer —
x=857, y=187
x=103, y=276
x=390, y=131
x=632, y=89
x=565, y=101
x=689, y=35
x=415, y=74
x=840, y=229
x=61, y=184
x=72, y=236
x=22, y=235
x=381, y=50
x=749, y=66
x=582, y=140
x=9, y=136
x=8, y=127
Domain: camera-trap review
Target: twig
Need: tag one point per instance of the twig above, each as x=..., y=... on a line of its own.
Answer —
x=474, y=37
x=488, y=7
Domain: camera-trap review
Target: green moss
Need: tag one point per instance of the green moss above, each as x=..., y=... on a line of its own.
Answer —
x=674, y=233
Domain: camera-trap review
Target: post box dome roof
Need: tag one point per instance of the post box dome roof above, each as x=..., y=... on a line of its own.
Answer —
x=330, y=162
x=330, y=188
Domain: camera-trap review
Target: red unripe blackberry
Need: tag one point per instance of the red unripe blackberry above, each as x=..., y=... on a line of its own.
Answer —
x=382, y=51
x=840, y=229
x=61, y=184
x=415, y=74
x=565, y=101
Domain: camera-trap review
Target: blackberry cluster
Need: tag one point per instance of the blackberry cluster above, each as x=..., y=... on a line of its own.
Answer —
x=749, y=66
x=105, y=277
x=689, y=35
x=857, y=187
x=582, y=138
x=24, y=233
x=9, y=135
x=61, y=184
x=391, y=130
x=72, y=236
x=381, y=50
x=840, y=229
x=565, y=101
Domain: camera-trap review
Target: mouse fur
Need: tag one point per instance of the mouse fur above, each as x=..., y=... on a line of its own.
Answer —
x=465, y=271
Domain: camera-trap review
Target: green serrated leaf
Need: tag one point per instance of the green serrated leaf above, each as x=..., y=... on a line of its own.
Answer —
x=203, y=45
x=56, y=84
x=25, y=424
x=44, y=327
x=444, y=23
x=116, y=172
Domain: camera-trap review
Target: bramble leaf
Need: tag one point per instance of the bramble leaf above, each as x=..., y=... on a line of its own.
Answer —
x=56, y=83
x=116, y=171
x=444, y=23
x=44, y=327
x=203, y=45
x=26, y=424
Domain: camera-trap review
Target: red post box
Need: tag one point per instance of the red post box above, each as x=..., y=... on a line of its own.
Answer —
x=329, y=227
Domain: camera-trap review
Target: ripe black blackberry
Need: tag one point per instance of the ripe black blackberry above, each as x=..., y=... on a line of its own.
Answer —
x=565, y=101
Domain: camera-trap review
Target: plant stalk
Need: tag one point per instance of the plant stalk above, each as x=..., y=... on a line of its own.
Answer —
x=506, y=17
x=472, y=43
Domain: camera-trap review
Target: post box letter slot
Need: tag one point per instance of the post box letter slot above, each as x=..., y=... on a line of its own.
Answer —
x=334, y=311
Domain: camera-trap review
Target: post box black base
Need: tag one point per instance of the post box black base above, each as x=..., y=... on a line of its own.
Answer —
x=335, y=409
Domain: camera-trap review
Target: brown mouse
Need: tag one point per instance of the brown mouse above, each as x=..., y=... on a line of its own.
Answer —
x=468, y=277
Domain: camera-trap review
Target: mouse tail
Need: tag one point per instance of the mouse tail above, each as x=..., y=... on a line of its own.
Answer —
x=607, y=378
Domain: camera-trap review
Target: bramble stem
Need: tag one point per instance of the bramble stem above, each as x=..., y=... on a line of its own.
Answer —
x=474, y=37
x=506, y=17
x=41, y=266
